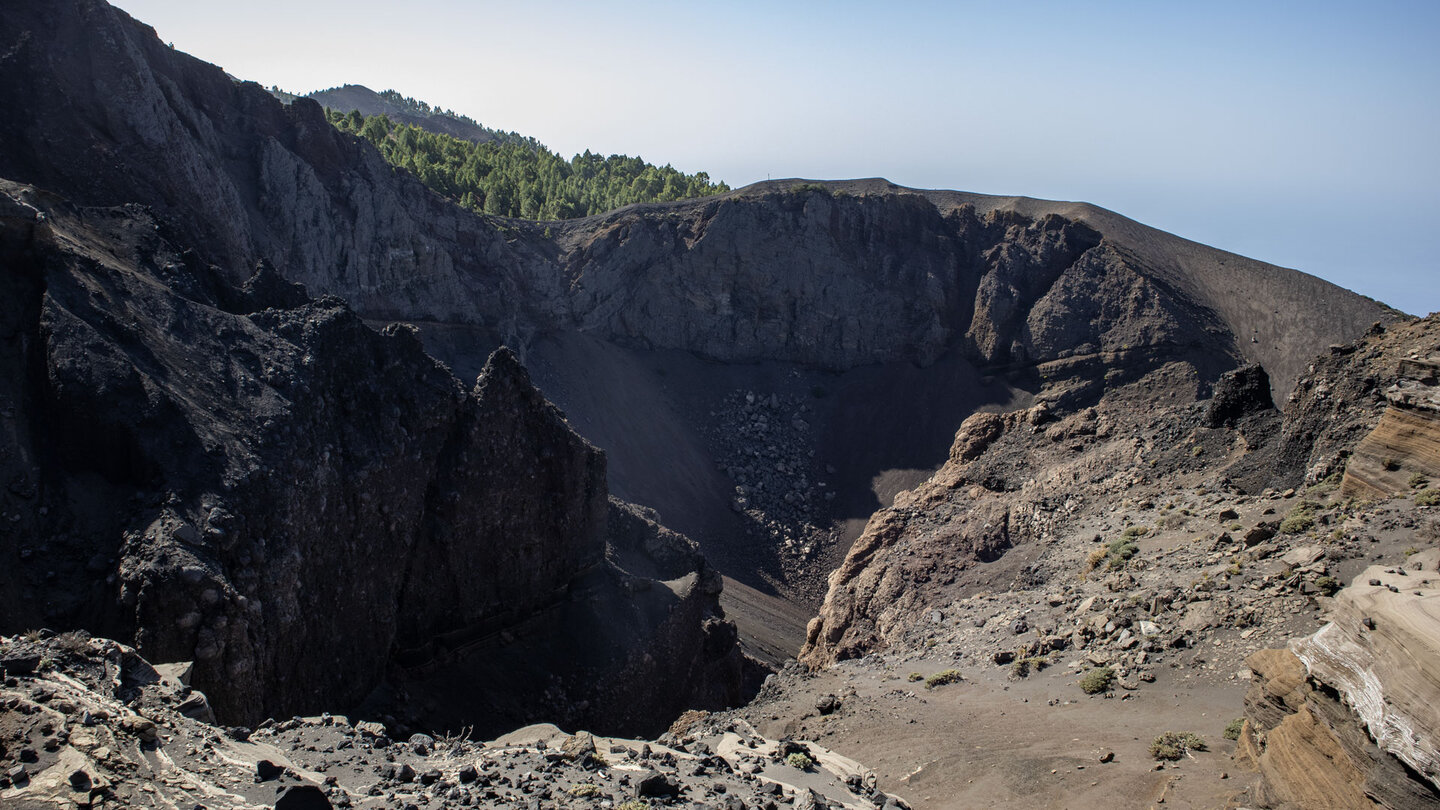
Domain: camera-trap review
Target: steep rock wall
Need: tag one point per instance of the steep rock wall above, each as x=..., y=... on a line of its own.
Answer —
x=842, y=274
x=258, y=482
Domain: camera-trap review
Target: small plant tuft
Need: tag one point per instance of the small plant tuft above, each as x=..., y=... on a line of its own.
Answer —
x=1300, y=519
x=1327, y=585
x=1427, y=497
x=585, y=791
x=1024, y=666
x=1097, y=680
x=942, y=678
x=1419, y=481
x=73, y=642
x=1232, y=731
x=1175, y=744
x=799, y=761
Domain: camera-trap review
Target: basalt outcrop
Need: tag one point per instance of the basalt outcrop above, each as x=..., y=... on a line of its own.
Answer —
x=257, y=481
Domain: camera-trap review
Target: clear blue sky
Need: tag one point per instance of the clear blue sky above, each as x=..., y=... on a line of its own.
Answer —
x=1303, y=134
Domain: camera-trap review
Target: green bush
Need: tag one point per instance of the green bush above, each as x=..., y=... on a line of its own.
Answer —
x=1133, y=532
x=799, y=761
x=1232, y=731
x=1097, y=680
x=1419, y=481
x=585, y=791
x=914, y=676
x=1174, y=744
x=1328, y=585
x=1427, y=497
x=942, y=678
x=1024, y=666
x=1300, y=519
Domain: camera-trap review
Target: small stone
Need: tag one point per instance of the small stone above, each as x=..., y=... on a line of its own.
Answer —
x=265, y=770
x=468, y=774
x=827, y=704
x=1106, y=755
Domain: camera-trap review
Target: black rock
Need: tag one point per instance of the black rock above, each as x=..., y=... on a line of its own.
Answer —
x=80, y=780
x=19, y=663
x=658, y=785
x=430, y=777
x=1239, y=393
x=468, y=774
x=303, y=797
x=265, y=770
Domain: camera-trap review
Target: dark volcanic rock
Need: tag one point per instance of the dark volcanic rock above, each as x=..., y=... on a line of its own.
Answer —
x=297, y=496
x=837, y=275
x=1239, y=393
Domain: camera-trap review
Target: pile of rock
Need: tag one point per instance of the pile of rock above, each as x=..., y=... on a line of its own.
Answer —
x=87, y=722
x=763, y=443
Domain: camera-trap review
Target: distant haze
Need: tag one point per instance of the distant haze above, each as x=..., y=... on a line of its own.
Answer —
x=1304, y=135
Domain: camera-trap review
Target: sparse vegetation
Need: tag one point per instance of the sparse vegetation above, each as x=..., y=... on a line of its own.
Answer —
x=633, y=804
x=1418, y=481
x=1115, y=555
x=914, y=676
x=942, y=678
x=1428, y=497
x=1175, y=744
x=1327, y=585
x=806, y=188
x=1300, y=519
x=1133, y=532
x=799, y=761
x=1232, y=731
x=74, y=642
x=1097, y=680
x=585, y=791
x=1022, y=667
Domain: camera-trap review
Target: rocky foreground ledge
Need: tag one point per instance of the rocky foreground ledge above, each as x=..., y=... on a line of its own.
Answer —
x=1347, y=717
x=86, y=722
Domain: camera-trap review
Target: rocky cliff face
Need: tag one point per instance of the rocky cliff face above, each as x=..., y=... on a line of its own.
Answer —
x=257, y=481
x=849, y=274
x=1346, y=719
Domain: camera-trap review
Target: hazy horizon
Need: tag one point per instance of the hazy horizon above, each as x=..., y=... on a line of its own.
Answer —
x=1306, y=141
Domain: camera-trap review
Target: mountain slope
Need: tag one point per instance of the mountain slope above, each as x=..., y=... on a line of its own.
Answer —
x=408, y=111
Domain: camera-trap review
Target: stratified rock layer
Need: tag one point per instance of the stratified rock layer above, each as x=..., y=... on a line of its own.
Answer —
x=1348, y=719
x=1381, y=652
x=1406, y=442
